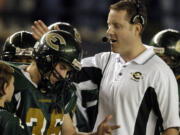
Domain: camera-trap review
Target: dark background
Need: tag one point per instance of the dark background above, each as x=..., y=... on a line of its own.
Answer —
x=88, y=16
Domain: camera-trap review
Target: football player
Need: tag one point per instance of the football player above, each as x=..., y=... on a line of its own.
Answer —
x=9, y=123
x=87, y=102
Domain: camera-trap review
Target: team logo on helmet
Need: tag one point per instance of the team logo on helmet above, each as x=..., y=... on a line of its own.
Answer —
x=54, y=40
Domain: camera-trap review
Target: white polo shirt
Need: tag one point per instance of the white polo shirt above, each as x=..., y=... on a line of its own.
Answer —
x=141, y=95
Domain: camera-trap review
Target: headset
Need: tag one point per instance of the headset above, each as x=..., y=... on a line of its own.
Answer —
x=138, y=13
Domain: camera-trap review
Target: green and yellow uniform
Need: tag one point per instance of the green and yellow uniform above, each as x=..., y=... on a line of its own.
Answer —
x=42, y=112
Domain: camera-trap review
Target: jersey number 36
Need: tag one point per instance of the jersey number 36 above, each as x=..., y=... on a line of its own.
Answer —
x=35, y=115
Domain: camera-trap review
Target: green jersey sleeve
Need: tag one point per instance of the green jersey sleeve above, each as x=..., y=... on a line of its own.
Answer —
x=10, y=124
x=14, y=127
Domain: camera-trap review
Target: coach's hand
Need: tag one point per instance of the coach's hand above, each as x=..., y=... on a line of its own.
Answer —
x=104, y=128
x=39, y=29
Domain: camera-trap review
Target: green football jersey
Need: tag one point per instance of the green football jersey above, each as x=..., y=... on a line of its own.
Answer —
x=41, y=112
x=10, y=124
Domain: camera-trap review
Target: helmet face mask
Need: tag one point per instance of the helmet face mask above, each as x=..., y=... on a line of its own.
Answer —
x=18, y=46
x=166, y=44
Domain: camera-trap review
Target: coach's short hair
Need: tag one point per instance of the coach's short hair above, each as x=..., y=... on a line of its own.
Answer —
x=132, y=10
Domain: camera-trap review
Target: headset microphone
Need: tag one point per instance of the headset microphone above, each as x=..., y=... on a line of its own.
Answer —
x=105, y=39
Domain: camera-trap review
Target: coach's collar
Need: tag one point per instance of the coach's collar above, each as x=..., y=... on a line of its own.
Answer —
x=145, y=56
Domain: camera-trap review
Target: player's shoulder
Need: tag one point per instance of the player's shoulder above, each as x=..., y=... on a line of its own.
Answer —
x=21, y=80
x=14, y=122
x=6, y=116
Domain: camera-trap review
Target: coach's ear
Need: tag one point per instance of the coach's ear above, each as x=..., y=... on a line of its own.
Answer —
x=138, y=29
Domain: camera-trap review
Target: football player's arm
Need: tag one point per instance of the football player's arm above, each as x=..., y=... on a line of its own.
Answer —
x=103, y=129
x=171, y=131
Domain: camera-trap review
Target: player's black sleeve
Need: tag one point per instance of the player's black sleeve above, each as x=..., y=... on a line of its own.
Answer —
x=88, y=73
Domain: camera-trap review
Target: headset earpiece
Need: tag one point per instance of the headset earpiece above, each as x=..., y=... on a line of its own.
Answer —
x=138, y=14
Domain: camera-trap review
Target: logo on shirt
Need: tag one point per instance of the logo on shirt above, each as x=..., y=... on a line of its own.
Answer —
x=136, y=76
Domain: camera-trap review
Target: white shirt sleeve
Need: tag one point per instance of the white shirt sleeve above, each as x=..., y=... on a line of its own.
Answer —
x=91, y=73
x=167, y=94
